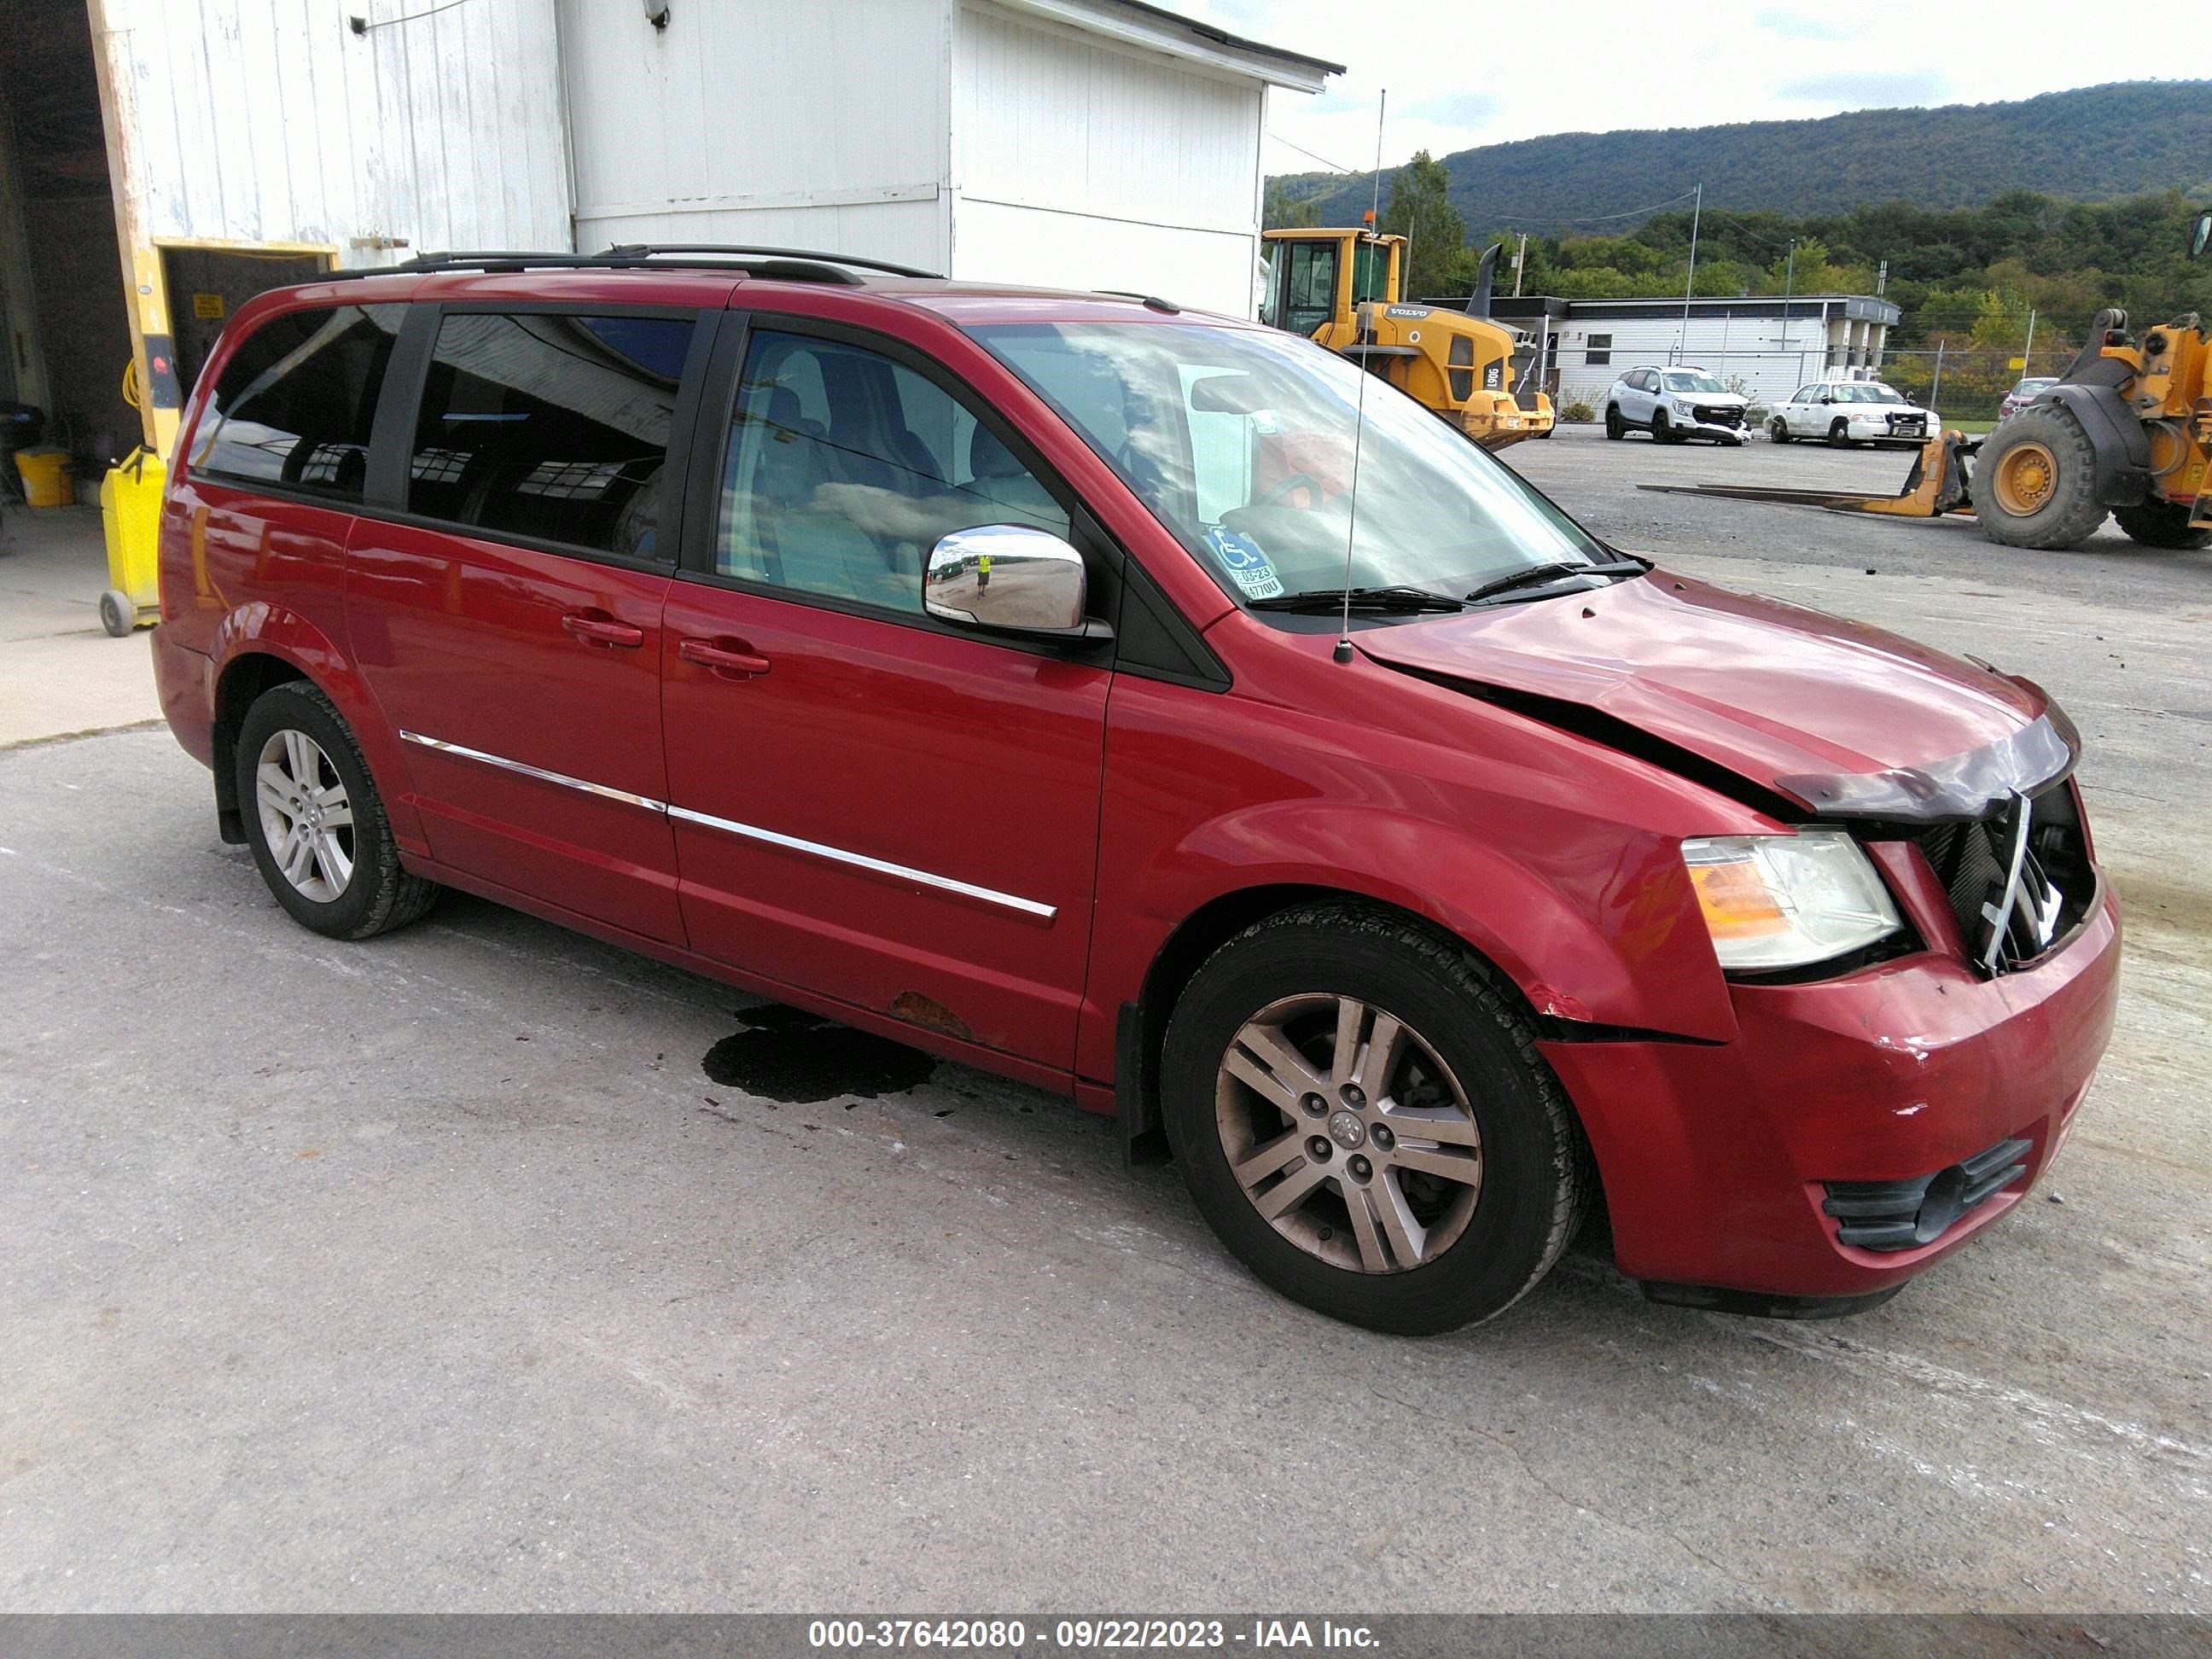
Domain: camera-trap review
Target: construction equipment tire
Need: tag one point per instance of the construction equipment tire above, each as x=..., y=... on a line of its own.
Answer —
x=2035, y=481
x=2161, y=524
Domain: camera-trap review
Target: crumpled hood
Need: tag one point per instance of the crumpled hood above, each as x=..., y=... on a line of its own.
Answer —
x=1839, y=718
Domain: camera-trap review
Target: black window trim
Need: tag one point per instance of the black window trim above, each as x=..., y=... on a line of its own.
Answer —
x=1111, y=567
x=278, y=488
x=399, y=409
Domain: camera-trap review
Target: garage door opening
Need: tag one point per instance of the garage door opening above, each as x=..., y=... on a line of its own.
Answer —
x=63, y=323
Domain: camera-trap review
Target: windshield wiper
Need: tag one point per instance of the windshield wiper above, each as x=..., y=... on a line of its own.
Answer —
x=1536, y=575
x=1399, y=598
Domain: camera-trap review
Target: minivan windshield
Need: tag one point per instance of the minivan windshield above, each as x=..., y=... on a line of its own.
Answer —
x=1240, y=442
x=1692, y=380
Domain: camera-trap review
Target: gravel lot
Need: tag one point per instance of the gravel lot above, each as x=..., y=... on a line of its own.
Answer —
x=439, y=1273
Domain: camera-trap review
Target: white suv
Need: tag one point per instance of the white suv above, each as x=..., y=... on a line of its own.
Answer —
x=1848, y=412
x=1674, y=403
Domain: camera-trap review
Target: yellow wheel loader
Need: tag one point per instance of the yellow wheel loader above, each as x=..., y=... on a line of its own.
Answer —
x=1341, y=287
x=2126, y=434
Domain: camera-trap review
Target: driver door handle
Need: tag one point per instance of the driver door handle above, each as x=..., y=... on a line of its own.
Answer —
x=597, y=627
x=733, y=660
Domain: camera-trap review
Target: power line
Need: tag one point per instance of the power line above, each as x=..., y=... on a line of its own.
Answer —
x=1333, y=166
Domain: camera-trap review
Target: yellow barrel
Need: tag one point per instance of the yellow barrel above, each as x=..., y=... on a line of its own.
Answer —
x=130, y=518
x=46, y=477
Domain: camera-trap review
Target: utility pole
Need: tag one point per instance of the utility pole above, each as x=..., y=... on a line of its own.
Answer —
x=1881, y=277
x=1788, y=287
x=1689, y=284
x=2027, y=353
x=1935, y=388
x=1520, y=259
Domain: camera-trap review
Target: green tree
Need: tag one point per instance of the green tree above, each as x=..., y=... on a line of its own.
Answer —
x=1420, y=208
x=1280, y=211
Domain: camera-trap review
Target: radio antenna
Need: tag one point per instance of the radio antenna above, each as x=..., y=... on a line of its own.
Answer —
x=1343, y=652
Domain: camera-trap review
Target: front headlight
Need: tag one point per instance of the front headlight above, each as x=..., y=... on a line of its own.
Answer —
x=1787, y=901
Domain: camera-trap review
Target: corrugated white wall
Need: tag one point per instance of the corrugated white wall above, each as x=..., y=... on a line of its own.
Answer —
x=803, y=124
x=270, y=120
x=1078, y=164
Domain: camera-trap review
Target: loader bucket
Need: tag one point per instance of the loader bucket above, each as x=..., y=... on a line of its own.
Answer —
x=1940, y=483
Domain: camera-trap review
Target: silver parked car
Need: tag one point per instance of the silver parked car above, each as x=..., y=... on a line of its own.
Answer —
x=1674, y=403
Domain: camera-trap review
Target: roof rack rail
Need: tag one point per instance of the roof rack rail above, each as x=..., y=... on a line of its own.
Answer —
x=651, y=249
x=789, y=264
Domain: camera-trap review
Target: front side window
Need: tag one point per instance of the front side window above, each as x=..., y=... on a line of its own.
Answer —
x=844, y=468
x=551, y=427
x=297, y=401
x=1240, y=442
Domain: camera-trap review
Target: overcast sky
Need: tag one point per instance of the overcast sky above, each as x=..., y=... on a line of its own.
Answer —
x=1467, y=72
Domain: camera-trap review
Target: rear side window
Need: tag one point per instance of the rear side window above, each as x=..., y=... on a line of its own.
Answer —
x=551, y=427
x=295, y=402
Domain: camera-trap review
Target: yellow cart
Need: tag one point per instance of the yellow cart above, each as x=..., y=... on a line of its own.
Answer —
x=130, y=517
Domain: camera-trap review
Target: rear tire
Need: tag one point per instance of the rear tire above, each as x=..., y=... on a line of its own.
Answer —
x=314, y=821
x=2161, y=524
x=1614, y=426
x=1778, y=430
x=1480, y=1186
x=2035, y=481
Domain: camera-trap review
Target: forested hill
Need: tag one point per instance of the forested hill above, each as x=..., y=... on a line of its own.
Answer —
x=2090, y=144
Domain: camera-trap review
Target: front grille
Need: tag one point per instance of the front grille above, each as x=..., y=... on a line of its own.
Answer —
x=1903, y=1215
x=2056, y=887
x=1908, y=422
x=1715, y=415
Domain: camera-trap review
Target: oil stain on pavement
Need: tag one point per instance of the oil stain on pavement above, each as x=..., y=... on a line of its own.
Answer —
x=789, y=1055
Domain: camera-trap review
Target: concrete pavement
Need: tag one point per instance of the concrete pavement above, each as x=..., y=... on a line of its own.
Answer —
x=59, y=671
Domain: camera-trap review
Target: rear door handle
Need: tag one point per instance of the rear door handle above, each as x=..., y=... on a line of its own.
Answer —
x=597, y=627
x=732, y=661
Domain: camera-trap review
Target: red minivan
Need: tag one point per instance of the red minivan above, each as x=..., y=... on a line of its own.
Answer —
x=1151, y=706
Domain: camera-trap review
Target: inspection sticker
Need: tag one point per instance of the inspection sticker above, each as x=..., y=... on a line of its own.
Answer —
x=1246, y=565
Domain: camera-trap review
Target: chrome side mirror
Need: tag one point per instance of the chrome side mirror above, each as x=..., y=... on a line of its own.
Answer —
x=1006, y=576
x=2200, y=234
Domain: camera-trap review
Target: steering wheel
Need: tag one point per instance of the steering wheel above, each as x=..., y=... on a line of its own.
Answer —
x=1296, y=481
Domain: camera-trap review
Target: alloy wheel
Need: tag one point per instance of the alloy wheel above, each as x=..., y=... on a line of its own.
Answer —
x=1348, y=1132
x=306, y=817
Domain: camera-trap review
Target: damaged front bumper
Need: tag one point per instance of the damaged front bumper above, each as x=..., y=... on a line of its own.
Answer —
x=1726, y=1165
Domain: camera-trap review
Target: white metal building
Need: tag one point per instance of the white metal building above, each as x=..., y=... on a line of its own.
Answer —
x=1770, y=346
x=1069, y=144
x=1086, y=143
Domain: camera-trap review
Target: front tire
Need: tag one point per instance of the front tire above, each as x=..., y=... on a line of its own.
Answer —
x=2161, y=524
x=314, y=821
x=1363, y=1118
x=1615, y=428
x=2035, y=481
x=1840, y=434
x=1662, y=431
